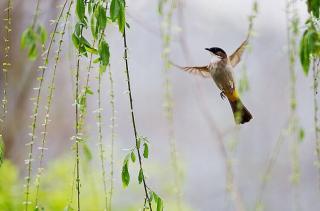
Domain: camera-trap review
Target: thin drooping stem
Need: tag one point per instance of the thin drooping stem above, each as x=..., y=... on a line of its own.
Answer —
x=70, y=201
x=271, y=162
x=315, y=71
x=6, y=66
x=291, y=126
x=166, y=33
x=77, y=131
x=83, y=110
x=100, y=139
x=133, y=117
x=36, y=15
x=101, y=147
x=49, y=102
x=34, y=116
x=112, y=137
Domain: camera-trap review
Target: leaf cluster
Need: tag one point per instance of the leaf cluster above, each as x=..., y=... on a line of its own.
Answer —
x=310, y=41
x=31, y=38
x=125, y=174
x=314, y=7
x=131, y=156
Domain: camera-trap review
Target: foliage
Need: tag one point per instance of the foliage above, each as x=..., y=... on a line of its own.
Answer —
x=166, y=10
x=36, y=104
x=131, y=156
x=51, y=89
x=314, y=7
x=55, y=194
x=310, y=41
x=309, y=45
x=125, y=174
x=31, y=38
x=117, y=13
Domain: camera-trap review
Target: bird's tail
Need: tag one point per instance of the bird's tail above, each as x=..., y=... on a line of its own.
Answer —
x=240, y=112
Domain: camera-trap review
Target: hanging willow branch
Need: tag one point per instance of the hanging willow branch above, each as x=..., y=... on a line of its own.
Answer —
x=49, y=102
x=112, y=137
x=316, y=71
x=133, y=118
x=34, y=116
x=6, y=65
x=291, y=127
x=166, y=33
x=77, y=134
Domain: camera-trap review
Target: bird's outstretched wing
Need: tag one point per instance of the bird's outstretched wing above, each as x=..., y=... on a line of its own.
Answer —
x=199, y=70
x=236, y=56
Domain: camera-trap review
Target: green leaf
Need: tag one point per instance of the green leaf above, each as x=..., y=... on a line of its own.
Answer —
x=76, y=43
x=88, y=91
x=80, y=10
x=145, y=150
x=101, y=18
x=133, y=157
x=314, y=7
x=88, y=46
x=75, y=40
x=90, y=49
x=42, y=33
x=1, y=150
x=139, y=142
x=29, y=41
x=87, y=152
x=158, y=201
x=33, y=52
x=150, y=195
x=93, y=27
x=28, y=38
x=125, y=175
x=97, y=60
x=77, y=29
x=160, y=6
x=305, y=53
x=159, y=205
x=114, y=9
x=122, y=18
x=82, y=45
x=90, y=6
x=140, y=176
x=104, y=53
x=301, y=134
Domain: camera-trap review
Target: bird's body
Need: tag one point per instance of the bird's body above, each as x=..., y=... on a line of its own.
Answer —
x=222, y=73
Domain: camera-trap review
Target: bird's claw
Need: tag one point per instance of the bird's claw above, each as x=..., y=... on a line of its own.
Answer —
x=222, y=95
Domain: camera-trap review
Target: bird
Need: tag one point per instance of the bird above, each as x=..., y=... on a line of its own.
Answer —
x=221, y=71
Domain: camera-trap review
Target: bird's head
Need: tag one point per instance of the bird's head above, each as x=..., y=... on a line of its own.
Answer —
x=217, y=52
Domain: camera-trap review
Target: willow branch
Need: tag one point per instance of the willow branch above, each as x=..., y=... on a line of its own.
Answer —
x=133, y=117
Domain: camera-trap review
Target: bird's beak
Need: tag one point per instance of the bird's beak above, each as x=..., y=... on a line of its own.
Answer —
x=208, y=49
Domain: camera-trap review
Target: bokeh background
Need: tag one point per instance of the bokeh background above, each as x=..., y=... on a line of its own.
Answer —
x=222, y=164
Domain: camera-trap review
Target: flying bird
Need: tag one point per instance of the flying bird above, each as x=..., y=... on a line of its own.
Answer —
x=222, y=73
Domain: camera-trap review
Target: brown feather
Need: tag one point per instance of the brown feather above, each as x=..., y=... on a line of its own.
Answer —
x=236, y=56
x=199, y=70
